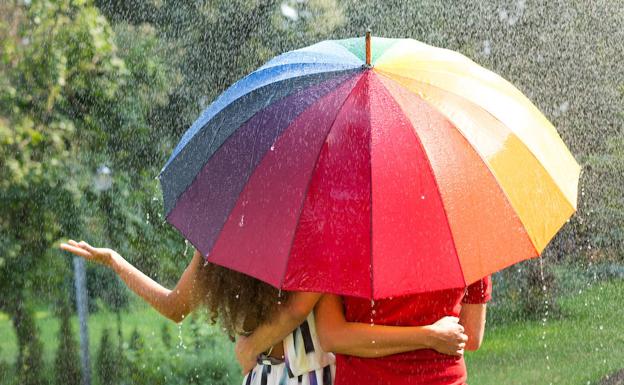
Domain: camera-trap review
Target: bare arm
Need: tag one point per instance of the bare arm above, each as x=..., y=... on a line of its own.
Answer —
x=174, y=304
x=339, y=336
x=472, y=317
x=275, y=329
x=363, y=340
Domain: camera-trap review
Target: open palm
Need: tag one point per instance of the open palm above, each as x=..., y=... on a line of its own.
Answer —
x=88, y=252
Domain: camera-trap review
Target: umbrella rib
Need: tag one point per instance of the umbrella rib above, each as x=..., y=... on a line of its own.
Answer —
x=370, y=228
x=312, y=177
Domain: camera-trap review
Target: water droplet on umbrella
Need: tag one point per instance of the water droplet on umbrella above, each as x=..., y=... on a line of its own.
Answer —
x=241, y=223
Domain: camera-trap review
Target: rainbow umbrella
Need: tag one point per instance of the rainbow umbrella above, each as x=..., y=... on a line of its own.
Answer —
x=370, y=172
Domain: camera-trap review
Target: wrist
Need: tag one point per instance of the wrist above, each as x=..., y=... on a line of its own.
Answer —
x=114, y=261
x=428, y=334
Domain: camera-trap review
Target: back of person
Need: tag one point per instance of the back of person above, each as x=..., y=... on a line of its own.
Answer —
x=424, y=366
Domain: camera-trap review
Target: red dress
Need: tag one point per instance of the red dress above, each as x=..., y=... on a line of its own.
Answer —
x=425, y=366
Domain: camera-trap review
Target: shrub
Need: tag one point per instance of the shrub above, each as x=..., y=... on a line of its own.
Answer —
x=67, y=361
x=165, y=335
x=525, y=291
x=108, y=362
x=30, y=365
x=200, y=357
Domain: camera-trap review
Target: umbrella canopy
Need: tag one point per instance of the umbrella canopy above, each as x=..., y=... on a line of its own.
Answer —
x=378, y=172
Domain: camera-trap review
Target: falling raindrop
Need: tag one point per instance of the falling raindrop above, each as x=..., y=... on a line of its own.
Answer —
x=487, y=48
x=289, y=12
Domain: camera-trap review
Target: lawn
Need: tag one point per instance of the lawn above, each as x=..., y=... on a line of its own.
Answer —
x=581, y=348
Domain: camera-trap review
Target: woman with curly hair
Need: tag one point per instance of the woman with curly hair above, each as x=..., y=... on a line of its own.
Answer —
x=277, y=340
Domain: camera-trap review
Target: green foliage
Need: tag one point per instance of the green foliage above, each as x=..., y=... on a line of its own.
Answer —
x=196, y=359
x=604, y=225
x=137, y=343
x=165, y=335
x=67, y=361
x=5, y=369
x=29, y=364
x=108, y=364
x=525, y=291
x=62, y=54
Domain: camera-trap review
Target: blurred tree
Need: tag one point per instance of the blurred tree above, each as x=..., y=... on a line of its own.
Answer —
x=70, y=100
x=43, y=62
x=136, y=340
x=108, y=361
x=604, y=224
x=165, y=335
x=135, y=358
x=214, y=43
x=67, y=361
x=29, y=364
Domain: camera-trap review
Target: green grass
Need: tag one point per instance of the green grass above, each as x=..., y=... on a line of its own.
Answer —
x=148, y=322
x=582, y=347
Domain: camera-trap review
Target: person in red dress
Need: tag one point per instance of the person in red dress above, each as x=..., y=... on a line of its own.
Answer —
x=425, y=366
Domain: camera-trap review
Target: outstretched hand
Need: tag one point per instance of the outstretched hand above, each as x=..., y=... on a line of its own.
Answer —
x=448, y=336
x=96, y=254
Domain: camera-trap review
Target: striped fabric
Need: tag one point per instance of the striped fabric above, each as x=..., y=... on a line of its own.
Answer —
x=305, y=363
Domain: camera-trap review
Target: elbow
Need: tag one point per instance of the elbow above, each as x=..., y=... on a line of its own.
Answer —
x=474, y=343
x=325, y=335
x=175, y=317
x=326, y=341
x=298, y=313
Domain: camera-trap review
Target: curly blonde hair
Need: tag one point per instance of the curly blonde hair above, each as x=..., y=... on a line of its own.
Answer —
x=239, y=301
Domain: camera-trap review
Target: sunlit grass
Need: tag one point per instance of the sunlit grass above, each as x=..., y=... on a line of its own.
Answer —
x=579, y=349
x=147, y=321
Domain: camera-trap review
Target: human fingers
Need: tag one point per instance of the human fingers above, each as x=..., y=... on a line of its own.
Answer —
x=447, y=320
x=463, y=337
x=85, y=245
x=76, y=250
x=99, y=253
